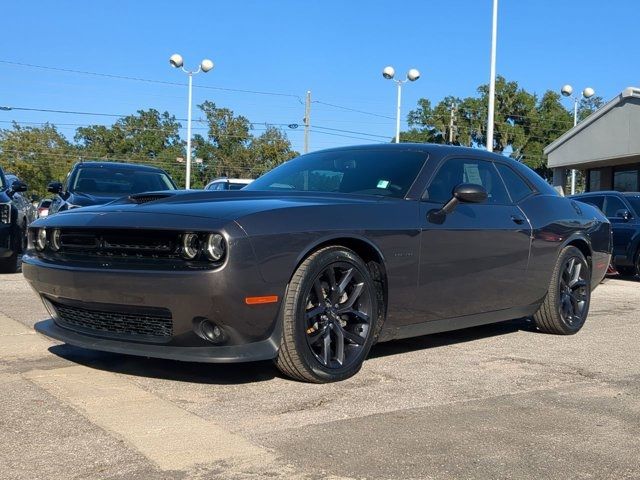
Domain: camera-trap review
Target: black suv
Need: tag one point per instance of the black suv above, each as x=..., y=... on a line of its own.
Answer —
x=623, y=211
x=97, y=183
x=15, y=215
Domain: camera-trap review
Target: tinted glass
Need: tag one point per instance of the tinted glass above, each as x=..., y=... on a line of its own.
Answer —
x=457, y=171
x=517, y=187
x=2, y=182
x=595, y=201
x=365, y=172
x=113, y=181
x=612, y=206
x=236, y=186
x=626, y=180
x=635, y=203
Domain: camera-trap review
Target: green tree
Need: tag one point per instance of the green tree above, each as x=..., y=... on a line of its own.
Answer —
x=231, y=149
x=269, y=150
x=37, y=155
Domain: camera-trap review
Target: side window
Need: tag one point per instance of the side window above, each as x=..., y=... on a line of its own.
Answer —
x=595, y=201
x=613, y=205
x=459, y=170
x=517, y=187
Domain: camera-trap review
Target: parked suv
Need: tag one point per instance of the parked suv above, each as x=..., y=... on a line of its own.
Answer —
x=15, y=215
x=623, y=211
x=97, y=183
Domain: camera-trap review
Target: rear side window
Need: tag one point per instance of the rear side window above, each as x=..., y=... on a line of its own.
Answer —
x=595, y=201
x=459, y=170
x=613, y=206
x=517, y=187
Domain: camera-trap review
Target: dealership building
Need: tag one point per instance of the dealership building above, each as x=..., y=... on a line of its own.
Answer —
x=606, y=146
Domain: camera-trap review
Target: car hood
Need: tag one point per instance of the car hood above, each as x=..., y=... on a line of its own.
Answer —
x=166, y=208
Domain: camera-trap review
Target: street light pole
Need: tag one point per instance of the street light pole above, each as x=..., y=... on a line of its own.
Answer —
x=412, y=76
x=492, y=79
x=398, y=111
x=187, y=185
x=206, y=65
x=567, y=91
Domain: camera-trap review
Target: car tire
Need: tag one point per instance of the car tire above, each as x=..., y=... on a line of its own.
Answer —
x=566, y=305
x=329, y=317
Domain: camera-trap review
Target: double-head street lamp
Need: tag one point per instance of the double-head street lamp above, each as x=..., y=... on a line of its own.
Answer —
x=567, y=91
x=206, y=65
x=412, y=76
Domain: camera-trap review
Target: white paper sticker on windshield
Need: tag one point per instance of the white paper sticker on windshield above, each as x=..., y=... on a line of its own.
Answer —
x=472, y=174
x=383, y=183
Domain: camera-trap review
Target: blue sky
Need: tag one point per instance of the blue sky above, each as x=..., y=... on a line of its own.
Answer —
x=336, y=49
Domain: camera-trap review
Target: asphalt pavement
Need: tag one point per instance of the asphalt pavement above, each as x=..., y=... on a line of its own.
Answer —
x=494, y=402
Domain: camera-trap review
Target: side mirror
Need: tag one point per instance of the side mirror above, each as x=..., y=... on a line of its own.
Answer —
x=463, y=193
x=54, y=187
x=18, y=186
x=624, y=214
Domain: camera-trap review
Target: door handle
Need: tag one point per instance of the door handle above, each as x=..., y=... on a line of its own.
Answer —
x=517, y=219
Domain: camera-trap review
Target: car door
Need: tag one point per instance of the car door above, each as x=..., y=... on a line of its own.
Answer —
x=475, y=260
x=622, y=229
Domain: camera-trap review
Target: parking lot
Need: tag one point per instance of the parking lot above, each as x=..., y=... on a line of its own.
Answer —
x=499, y=401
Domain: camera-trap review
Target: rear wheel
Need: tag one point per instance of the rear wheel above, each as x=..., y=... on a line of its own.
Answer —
x=329, y=317
x=566, y=305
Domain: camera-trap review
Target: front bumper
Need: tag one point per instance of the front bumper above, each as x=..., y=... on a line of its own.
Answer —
x=251, y=352
x=251, y=332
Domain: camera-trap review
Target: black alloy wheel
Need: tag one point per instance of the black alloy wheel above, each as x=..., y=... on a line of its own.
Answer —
x=566, y=305
x=329, y=317
x=338, y=315
x=573, y=292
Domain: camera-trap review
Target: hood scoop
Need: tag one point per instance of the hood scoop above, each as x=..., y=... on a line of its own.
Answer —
x=148, y=197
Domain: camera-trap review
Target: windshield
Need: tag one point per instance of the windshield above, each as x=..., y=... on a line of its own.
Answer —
x=366, y=172
x=118, y=182
x=635, y=203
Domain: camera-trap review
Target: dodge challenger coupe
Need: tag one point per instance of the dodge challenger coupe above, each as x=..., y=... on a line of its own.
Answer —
x=320, y=258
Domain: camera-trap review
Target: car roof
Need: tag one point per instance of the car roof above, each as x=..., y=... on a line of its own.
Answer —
x=236, y=180
x=118, y=165
x=607, y=192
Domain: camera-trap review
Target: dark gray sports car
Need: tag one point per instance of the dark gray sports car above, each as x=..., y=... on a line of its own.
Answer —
x=320, y=258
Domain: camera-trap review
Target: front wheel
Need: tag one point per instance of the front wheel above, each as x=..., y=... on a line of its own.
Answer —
x=565, y=308
x=329, y=317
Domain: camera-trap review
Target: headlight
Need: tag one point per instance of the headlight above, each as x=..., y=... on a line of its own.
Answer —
x=41, y=239
x=55, y=240
x=190, y=246
x=214, y=247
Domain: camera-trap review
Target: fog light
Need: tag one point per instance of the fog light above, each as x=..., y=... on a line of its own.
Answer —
x=41, y=239
x=190, y=246
x=208, y=330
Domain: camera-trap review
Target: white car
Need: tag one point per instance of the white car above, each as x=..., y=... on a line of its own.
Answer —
x=224, y=183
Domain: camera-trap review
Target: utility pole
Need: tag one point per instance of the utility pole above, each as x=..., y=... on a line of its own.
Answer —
x=452, y=120
x=307, y=120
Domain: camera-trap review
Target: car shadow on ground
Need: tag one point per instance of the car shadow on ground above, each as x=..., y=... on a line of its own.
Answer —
x=436, y=340
x=240, y=373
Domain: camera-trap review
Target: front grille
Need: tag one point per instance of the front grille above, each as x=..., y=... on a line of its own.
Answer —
x=156, y=323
